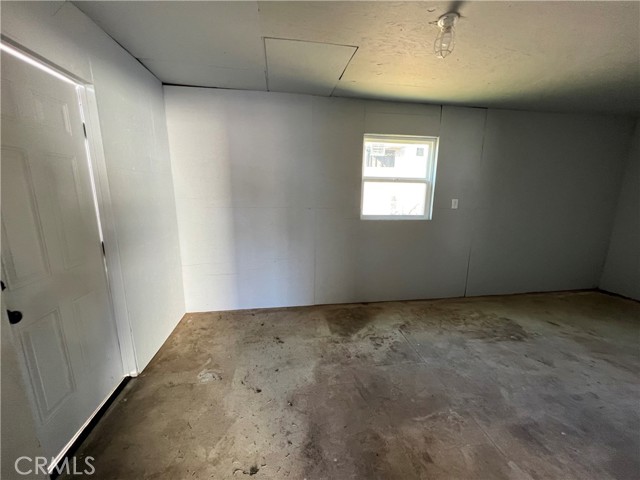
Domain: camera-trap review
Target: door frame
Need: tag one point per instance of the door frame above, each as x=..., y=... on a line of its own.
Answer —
x=87, y=103
x=115, y=280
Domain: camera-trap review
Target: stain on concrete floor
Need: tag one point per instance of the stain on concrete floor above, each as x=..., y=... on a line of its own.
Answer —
x=518, y=387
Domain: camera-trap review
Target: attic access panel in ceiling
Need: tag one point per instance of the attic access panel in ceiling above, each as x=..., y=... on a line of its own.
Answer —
x=297, y=66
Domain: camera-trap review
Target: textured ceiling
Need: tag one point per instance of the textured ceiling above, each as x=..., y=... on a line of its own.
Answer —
x=556, y=56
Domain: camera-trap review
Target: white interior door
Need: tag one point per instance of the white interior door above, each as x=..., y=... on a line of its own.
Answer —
x=52, y=261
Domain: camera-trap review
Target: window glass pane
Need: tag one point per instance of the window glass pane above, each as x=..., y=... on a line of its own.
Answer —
x=395, y=160
x=394, y=198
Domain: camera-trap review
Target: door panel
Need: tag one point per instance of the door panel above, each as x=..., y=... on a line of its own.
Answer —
x=52, y=256
x=48, y=362
x=89, y=314
x=52, y=113
x=63, y=179
x=21, y=226
x=9, y=107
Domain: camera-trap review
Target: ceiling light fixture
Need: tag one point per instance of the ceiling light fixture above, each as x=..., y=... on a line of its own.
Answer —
x=445, y=40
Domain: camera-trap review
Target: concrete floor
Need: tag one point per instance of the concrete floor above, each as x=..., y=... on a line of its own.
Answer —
x=517, y=387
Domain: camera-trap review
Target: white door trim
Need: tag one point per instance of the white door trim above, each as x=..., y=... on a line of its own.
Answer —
x=112, y=252
x=115, y=282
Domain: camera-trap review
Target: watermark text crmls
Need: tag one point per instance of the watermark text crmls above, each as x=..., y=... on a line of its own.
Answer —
x=69, y=465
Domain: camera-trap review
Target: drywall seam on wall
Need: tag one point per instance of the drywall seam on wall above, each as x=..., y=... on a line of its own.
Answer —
x=466, y=278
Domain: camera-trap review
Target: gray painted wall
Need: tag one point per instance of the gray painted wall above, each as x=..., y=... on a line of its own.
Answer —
x=268, y=192
x=621, y=272
x=546, y=195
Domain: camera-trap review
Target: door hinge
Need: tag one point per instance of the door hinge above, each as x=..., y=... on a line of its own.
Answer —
x=103, y=251
x=84, y=129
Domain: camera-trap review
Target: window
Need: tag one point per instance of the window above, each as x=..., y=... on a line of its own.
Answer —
x=398, y=175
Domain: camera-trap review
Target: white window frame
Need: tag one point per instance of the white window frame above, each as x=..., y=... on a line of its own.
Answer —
x=429, y=179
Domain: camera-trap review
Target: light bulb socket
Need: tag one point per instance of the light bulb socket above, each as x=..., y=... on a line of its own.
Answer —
x=448, y=20
x=445, y=41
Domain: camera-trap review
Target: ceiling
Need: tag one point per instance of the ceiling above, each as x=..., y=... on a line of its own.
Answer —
x=552, y=56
